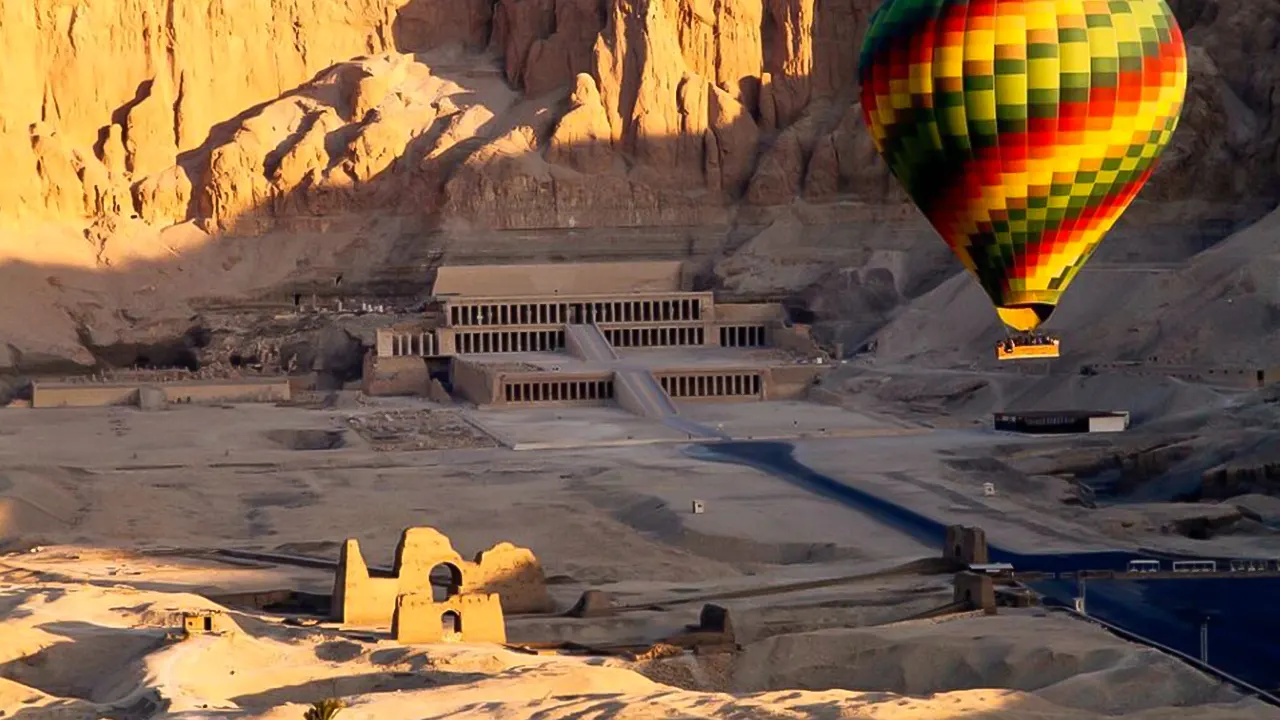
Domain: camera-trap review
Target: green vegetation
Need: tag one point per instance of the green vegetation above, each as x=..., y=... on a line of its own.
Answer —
x=326, y=709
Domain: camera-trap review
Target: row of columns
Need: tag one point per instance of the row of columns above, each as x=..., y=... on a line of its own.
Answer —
x=745, y=385
x=678, y=310
x=558, y=391
x=743, y=336
x=655, y=337
x=511, y=341
x=415, y=344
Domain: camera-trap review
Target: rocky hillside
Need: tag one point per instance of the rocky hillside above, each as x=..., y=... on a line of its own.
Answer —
x=143, y=142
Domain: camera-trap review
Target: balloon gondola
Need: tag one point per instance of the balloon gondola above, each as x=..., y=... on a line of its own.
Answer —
x=1022, y=129
x=1032, y=345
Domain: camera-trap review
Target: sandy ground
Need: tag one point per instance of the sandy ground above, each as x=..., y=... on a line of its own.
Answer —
x=84, y=649
x=612, y=518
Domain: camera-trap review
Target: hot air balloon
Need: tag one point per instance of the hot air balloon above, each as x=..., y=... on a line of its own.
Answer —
x=1022, y=129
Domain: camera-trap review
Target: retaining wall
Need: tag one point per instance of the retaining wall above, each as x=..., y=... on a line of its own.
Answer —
x=52, y=395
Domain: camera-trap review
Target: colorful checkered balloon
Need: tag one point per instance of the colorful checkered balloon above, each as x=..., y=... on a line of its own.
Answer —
x=1023, y=128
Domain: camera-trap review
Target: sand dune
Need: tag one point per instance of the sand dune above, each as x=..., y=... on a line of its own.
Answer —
x=114, y=656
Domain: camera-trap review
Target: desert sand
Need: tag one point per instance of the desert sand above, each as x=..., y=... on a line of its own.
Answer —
x=114, y=654
x=105, y=538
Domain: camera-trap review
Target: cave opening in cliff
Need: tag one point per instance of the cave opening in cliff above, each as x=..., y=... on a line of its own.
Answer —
x=175, y=353
x=798, y=312
x=161, y=357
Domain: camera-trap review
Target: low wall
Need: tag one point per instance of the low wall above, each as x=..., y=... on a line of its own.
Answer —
x=796, y=339
x=54, y=395
x=473, y=382
x=1237, y=377
x=384, y=376
x=793, y=382
x=559, y=278
x=51, y=396
x=748, y=313
x=277, y=390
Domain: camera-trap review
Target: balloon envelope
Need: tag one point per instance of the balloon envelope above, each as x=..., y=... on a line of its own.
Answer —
x=1022, y=128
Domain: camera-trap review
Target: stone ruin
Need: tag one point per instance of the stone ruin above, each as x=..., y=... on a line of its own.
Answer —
x=975, y=590
x=963, y=547
x=206, y=622
x=966, y=546
x=503, y=578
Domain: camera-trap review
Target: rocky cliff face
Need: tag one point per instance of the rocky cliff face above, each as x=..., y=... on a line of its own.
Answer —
x=295, y=116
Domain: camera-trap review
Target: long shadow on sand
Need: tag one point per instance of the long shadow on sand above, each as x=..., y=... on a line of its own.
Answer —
x=1244, y=626
x=352, y=685
x=90, y=664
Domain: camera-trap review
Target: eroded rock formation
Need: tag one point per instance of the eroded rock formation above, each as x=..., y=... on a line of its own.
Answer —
x=288, y=115
x=263, y=110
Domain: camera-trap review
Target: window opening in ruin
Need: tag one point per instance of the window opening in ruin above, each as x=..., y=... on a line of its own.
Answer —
x=236, y=360
x=337, y=280
x=297, y=299
x=958, y=553
x=451, y=623
x=446, y=581
x=208, y=624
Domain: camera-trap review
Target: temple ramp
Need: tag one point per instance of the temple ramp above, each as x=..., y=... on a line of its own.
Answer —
x=639, y=392
x=587, y=343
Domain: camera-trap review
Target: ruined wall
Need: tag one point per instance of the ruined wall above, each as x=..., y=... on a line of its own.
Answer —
x=797, y=339
x=476, y=618
x=744, y=313
x=792, y=382
x=50, y=395
x=966, y=546
x=513, y=574
x=396, y=376
x=473, y=382
x=976, y=589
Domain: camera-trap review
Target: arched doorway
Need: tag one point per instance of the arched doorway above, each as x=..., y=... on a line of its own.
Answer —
x=446, y=581
x=450, y=623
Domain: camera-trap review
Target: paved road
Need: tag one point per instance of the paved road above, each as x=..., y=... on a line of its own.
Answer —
x=1244, y=631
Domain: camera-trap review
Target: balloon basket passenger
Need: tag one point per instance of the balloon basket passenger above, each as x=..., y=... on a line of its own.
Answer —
x=1028, y=346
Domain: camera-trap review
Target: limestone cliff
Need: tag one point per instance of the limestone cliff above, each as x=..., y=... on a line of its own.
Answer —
x=388, y=120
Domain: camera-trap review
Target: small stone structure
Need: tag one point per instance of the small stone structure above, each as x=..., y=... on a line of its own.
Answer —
x=977, y=590
x=966, y=546
x=206, y=622
x=152, y=398
x=593, y=603
x=384, y=376
x=473, y=618
x=505, y=577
